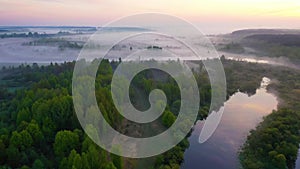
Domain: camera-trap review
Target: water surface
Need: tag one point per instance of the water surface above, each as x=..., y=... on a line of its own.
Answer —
x=298, y=161
x=242, y=113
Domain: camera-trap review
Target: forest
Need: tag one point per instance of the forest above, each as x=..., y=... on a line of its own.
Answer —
x=39, y=127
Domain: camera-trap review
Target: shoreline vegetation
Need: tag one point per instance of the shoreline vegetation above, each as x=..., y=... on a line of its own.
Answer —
x=275, y=142
x=30, y=128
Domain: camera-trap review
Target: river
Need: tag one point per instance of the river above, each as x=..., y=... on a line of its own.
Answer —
x=241, y=114
x=297, y=165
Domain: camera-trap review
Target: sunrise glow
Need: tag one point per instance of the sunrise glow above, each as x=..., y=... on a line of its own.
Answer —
x=230, y=13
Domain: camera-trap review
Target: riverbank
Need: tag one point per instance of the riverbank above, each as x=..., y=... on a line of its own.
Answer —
x=241, y=114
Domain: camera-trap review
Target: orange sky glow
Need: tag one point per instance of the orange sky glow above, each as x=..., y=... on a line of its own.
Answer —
x=209, y=15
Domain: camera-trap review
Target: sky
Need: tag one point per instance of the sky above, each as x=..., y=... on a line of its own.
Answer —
x=211, y=16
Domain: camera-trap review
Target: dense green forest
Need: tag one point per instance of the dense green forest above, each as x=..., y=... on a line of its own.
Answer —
x=39, y=128
x=274, y=143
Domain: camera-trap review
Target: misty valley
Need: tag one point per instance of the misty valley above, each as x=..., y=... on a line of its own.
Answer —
x=39, y=127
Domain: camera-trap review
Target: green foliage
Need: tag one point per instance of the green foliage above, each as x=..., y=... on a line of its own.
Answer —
x=110, y=166
x=42, y=129
x=23, y=115
x=168, y=118
x=38, y=164
x=92, y=158
x=275, y=142
x=117, y=160
x=64, y=142
x=21, y=140
x=25, y=167
x=172, y=158
x=175, y=108
x=39, y=128
x=35, y=132
x=13, y=156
